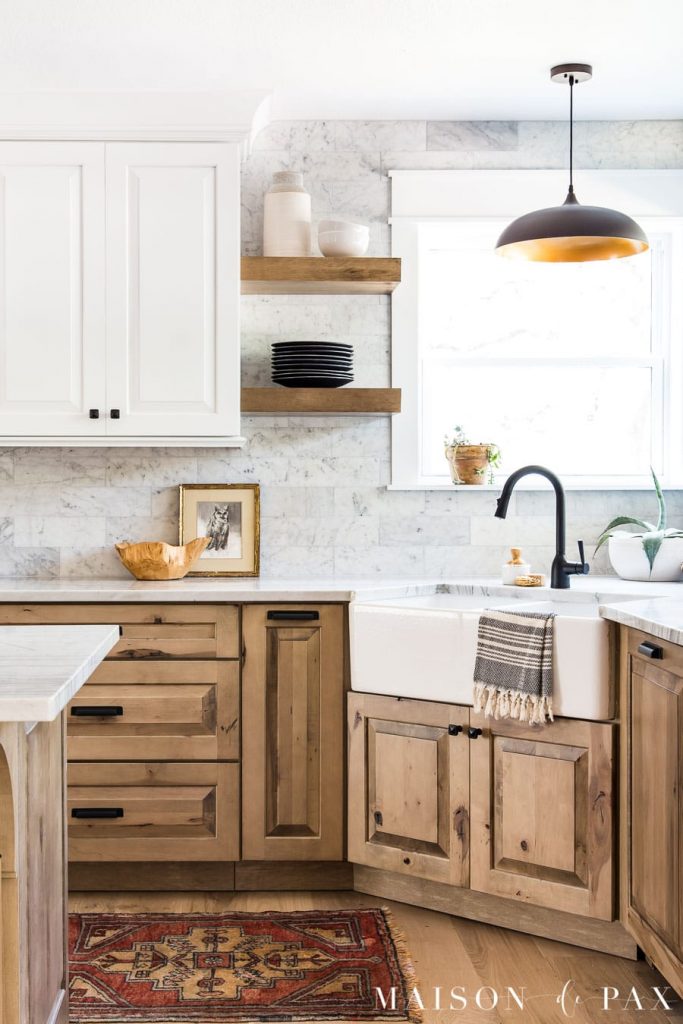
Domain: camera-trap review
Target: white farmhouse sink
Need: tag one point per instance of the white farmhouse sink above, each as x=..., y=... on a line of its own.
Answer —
x=424, y=647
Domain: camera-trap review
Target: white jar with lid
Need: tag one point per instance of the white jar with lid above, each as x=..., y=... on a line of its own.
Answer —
x=287, y=216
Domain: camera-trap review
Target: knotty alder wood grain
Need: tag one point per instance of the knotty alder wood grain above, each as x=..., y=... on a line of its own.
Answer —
x=304, y=275
x=293, y=734
x=170, y=711
x=322, y=401
x=148, y=630
x=408, y=797
x=541, y=806
x=170, y=811
x=652, y=801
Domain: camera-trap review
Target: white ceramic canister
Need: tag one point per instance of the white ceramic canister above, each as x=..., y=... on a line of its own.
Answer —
x=287, y=216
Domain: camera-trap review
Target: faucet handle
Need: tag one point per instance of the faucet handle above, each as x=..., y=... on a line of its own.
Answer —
x=585, y=567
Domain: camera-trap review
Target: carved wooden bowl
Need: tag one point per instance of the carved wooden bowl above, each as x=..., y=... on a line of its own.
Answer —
x=157, y=560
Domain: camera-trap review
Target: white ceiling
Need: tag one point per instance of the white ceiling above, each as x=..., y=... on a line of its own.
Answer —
x=439, y=59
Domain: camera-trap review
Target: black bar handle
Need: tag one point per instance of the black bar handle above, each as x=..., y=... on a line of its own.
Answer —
x=97, y=711
x=294, y=616
x=97, y=812
x=650, y=650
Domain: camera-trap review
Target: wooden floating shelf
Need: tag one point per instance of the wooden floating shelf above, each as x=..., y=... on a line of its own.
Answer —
x=319, y=275
x=321, y=401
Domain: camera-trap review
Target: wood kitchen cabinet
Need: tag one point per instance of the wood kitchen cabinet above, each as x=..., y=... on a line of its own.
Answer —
x=293, y=732
x=409, y=787
x=440, y=793
x=120, y=285
x=652, y=799
x=542, y=814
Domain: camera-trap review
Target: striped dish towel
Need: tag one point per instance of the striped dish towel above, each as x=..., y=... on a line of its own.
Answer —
x=513, y=673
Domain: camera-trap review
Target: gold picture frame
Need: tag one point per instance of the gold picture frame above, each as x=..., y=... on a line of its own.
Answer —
x=230, y=514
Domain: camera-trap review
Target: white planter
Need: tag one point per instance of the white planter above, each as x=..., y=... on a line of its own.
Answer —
x=630, y=561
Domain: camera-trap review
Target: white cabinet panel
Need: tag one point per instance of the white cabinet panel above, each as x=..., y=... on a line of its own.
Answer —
x=172, y=289
x=51, y=288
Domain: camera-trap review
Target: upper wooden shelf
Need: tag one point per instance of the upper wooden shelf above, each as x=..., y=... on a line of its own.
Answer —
x=322, y=401
x=319, y=275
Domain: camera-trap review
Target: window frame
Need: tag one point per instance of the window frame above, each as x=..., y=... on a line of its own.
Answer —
x=423, y=200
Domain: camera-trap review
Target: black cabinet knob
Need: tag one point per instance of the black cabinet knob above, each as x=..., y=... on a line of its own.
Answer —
x=454, y=730
x=115, y=414
x=472, y=732
x=94, y=414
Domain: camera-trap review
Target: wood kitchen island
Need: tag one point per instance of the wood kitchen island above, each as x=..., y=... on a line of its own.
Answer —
x=41, y=669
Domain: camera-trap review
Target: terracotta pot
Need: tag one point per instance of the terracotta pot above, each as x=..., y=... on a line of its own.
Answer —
x=469, y=463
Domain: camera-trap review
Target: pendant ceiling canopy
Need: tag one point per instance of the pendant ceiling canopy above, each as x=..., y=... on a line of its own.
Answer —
x=572, y=233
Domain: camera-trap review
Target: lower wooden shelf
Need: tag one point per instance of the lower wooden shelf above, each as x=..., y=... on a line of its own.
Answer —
x=321, y=401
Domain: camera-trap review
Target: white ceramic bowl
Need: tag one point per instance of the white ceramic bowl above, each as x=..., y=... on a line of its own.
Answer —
x=630, y=561
x=342, y=238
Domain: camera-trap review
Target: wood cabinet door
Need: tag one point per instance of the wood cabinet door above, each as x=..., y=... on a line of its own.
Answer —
x=409, y=787
x=656, y=805
x=542, y=814
x=52, y=289
x=173, y=281
x=293, y=732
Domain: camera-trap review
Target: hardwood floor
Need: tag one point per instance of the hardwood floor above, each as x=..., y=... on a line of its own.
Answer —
x=450, y=952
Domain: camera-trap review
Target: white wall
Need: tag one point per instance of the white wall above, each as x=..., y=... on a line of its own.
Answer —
x=325, y=506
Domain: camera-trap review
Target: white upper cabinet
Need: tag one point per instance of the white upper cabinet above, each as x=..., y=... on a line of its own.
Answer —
x=119, y=293
x=172, y=286
x=52, y=331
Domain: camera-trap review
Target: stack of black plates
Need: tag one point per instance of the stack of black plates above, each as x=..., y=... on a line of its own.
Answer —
x=312, y=364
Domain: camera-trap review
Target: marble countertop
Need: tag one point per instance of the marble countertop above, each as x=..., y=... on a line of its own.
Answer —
x=660, y=604
x=662, y=617
x=43, y=667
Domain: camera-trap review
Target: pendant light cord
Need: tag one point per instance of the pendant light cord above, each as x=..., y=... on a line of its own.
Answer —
x=571, y=134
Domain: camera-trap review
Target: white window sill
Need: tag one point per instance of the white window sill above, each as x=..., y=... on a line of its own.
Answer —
x=537, y=483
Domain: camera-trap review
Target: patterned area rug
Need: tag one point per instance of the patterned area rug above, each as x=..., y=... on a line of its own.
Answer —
x=308, y=965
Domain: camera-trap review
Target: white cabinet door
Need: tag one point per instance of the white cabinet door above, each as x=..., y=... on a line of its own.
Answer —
x=51, y=289
x=172, y=289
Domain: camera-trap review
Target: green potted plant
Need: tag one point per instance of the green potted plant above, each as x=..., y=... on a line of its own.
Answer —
x=654, y=553
x=470, y=463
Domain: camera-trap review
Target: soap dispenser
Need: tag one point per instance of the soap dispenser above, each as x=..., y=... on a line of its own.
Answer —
x=515, y=567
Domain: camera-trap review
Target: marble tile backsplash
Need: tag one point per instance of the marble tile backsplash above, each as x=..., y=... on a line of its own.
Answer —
x=325, y=506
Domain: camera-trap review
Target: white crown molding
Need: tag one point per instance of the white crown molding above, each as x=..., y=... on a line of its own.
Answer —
x=147, y=116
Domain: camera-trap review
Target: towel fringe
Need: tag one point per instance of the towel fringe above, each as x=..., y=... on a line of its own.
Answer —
x=498, y=702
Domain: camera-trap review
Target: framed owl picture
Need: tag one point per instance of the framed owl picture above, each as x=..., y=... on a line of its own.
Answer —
x=228, y=514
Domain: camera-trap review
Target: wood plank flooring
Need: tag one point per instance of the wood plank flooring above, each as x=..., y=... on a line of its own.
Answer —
x=450, y=952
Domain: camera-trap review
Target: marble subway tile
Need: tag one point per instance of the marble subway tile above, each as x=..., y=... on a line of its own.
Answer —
x=60, y=466
x=279, y=502
x=366, y=501
x=436, y=531
x=302, y=135
x=321, y=533
x=56, y=531
x=379, y=561
x=122, y=529
x=296, y=562
x=153, y=469
x=464, y=502
x=369, y=135
x=319, y=502
x=34, y=563
x=84, y=562
x=333, y=470
x=477, y=135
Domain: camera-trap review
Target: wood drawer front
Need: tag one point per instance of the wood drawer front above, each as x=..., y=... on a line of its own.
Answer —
x=169, y=812
x=148, y=631
x=167, y=710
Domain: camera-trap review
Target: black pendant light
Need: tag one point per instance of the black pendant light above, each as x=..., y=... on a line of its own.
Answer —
x=572, y=233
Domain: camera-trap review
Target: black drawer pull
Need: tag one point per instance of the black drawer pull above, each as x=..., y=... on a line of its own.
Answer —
x=97, y=711
x=97, y=812
x=294, y=616
x=650, y=650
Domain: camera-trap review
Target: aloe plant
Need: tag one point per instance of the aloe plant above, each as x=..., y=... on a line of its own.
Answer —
x=651, y=536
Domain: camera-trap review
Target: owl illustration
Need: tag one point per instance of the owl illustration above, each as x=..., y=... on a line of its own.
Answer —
x=218, y=528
